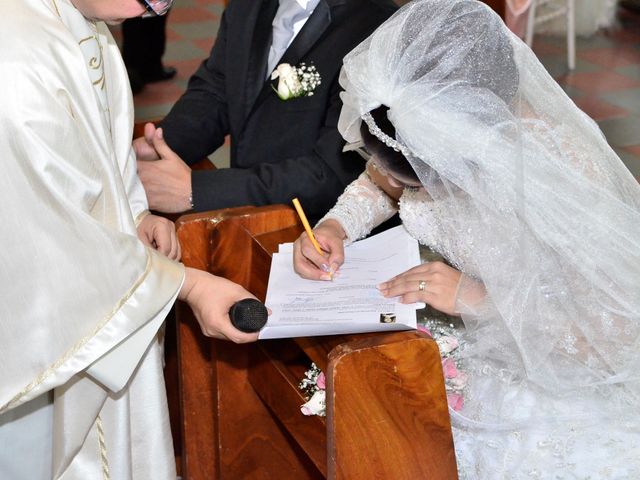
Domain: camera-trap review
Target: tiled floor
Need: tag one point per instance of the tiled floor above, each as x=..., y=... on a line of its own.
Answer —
x=191, y=29
x=605, y=83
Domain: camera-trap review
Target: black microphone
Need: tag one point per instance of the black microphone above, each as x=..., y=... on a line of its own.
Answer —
x=248, y=315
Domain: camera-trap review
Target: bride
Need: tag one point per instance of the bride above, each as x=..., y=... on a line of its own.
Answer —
x=491, y=164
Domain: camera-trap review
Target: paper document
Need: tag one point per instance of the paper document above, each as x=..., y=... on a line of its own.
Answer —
x=350, y=303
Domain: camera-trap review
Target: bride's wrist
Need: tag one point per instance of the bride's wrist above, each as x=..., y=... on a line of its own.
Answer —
x=334, y=225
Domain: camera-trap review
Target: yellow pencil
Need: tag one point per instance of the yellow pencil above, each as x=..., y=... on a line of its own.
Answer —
x=307, y=227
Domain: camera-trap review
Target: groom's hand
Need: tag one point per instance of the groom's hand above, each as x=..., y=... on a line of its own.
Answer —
x=143, y=146
x=167, y=181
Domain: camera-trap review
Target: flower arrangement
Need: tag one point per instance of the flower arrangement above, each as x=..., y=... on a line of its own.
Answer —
x=295, y=82
x=455, y=379
x=313, y=385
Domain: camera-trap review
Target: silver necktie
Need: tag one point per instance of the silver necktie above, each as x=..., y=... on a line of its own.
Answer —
x=289, y=12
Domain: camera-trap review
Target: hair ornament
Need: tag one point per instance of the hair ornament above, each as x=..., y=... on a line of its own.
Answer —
x=383, y=137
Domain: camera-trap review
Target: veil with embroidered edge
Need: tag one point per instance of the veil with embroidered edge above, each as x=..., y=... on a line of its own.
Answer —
x=555, y=236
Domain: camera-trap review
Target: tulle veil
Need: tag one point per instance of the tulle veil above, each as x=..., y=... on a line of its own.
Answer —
x=552, y=214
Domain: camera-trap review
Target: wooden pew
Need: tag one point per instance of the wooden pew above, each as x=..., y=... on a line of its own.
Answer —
x=240, y=404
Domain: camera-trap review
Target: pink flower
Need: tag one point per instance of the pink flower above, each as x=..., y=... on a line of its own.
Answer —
x=424, y=329
x=459, y=381
x=321, y=381
x=305, y=411
x=449, y=368
x=455, y=401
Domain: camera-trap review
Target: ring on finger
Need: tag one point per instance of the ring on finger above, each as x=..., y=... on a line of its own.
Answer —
x=422, y=285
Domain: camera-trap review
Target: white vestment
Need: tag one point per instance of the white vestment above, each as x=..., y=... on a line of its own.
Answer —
x=81, y=387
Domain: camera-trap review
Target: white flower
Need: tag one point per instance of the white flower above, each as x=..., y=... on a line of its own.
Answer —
x=289, y=84
x=316, y=404
x=295, y=81
x=284, y=70
x=447, y=344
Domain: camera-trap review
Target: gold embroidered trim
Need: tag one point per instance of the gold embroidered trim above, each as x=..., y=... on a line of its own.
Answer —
x=55, y=6
x=96, y=63
x=103, y=449
x=74, y=349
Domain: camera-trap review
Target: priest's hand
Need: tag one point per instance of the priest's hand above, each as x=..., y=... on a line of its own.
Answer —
x=434, y=283
x=167, y=181
x=160, y=233
x=210, y=298
x=309, y=263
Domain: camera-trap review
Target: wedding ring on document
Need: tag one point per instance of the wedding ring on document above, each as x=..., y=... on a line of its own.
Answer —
x=421, y=285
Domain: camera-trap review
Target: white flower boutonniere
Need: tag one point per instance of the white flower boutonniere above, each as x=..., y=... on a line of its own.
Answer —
x=295, y=82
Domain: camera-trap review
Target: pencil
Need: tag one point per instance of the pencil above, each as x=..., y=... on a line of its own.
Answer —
x=307, y=227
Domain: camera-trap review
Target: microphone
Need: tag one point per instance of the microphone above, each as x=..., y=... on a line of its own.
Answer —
x=248, y=315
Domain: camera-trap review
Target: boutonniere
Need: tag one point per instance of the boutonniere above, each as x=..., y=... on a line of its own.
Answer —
x=295, y=82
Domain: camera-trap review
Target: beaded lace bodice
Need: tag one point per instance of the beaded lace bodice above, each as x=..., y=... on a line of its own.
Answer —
x=363, y=206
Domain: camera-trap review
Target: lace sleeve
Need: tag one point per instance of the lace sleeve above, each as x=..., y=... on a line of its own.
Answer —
x=362, y=207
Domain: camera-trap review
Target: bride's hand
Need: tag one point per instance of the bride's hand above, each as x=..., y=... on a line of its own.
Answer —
x=308, y=263
x=434, y=283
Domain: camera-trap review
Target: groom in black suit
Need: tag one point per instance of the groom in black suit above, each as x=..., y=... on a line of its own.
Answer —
x=279, y=149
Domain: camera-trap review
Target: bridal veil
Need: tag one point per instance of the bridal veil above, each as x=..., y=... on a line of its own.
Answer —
x=555, y=236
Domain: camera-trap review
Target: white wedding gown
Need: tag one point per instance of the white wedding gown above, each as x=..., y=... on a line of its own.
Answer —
x=525, y=196
x=544, y=438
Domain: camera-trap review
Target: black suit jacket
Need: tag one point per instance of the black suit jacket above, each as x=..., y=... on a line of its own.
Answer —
x=279, y=149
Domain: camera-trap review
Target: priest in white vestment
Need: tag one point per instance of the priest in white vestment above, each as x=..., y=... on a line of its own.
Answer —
x=81, y=387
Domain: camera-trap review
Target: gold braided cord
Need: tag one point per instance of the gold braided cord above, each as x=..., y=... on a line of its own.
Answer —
x=103, y=449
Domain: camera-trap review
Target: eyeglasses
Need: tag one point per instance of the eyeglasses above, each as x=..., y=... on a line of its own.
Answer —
x=155, y=8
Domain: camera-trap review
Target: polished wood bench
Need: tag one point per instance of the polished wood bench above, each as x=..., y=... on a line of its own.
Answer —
x=387, y=413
